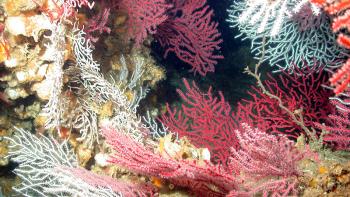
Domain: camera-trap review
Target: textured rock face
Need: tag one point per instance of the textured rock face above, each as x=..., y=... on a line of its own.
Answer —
x=16, y=7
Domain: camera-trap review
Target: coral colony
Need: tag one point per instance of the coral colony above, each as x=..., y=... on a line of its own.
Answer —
x=73, y=74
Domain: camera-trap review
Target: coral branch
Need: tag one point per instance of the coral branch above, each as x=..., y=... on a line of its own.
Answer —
x=341, y=10
x=267, y=163
x=205, y=119
x=192, y=35
x=199, y=178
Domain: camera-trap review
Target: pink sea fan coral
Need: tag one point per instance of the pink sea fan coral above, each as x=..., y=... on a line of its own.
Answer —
x=262, y=155
x=203, y=180
x=101, y=181
x=144, y=17
x=191, y=34
x=267, y=163
x=97, y=24
x=183, y=27
x=338, y=124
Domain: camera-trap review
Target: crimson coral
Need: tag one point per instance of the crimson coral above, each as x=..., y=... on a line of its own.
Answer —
x=301, y=92
x=205, y=120
x=209, y=122
x=184, y=27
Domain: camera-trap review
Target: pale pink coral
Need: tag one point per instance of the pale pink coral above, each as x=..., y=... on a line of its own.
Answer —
x=267, y=163
x=200, y=179
x=101, y=181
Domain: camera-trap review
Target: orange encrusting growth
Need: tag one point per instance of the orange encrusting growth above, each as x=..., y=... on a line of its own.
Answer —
x=157, y=182
x=64, y=132
x=4, y=51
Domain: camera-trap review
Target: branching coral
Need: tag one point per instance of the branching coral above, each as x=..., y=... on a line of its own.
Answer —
x=144, y=17
x=54, y=62
x=207, y=151
x=55, y=52
x=205, y=119
x=266, y=16
x=301, y=92
x=338, y=124
x=49, y=168
x=38, y=157
x=266, y=163
x=201, y=179
x=93, y=88
x=302, y=37
x=341, y=11
x=192, y=36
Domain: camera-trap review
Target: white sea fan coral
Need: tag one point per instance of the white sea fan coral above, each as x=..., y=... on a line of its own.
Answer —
x=44, y=167
x=296, y=44
x=85, y=119
x=37, y=157
x=101, y=90
x=304, y=3
x=157, y=130
x=269, y=14
x=304, y=37
x=260, y=12
x=55, y=107
x=84, y=116
x=132, y=83
x=93, y=81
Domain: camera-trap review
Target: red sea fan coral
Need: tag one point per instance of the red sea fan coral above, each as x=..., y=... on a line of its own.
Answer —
x=191, y=34
x=300, y=90
x=203, y=180
x=340, y=9
x=209, y=122
x=341, y=78
x=184, y=27
x=205, y=120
